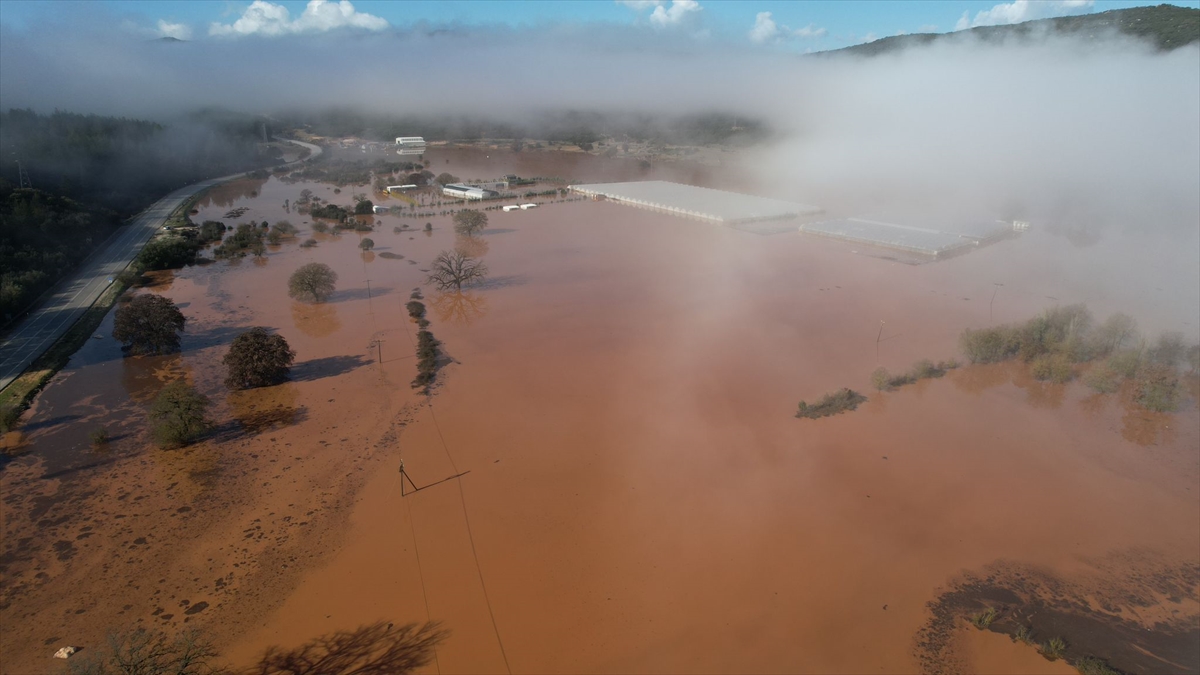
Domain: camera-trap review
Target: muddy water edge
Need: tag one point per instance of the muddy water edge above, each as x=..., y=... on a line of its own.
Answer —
x=637, y=495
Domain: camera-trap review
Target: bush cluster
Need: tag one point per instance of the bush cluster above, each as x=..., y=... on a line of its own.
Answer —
x=416, y=310
x=831, y=404
x=921, y=370
x=246, y=238
x=427, y=357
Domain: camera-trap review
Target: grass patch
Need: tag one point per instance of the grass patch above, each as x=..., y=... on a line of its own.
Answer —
x=1054, y=648
x=831, y=404
x=985, y=618
x=1090, y=665
x=1023, y=635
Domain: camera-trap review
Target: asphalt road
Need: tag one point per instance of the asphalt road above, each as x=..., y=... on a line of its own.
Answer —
x=38, y=330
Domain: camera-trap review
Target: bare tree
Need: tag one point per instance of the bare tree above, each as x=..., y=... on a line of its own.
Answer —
x=454, y=269
x=144, y=653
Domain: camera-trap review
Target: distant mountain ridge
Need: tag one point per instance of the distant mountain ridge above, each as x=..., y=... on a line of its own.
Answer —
x=1167, y=27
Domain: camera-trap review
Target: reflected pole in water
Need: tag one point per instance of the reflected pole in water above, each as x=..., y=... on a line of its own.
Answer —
x=877, y=339
x=994, y=292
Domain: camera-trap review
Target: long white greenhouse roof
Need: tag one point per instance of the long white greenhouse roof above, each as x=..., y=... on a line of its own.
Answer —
x=697, y=202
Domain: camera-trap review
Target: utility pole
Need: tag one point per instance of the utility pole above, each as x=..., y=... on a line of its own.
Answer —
x=404, y=475
x=994, y=292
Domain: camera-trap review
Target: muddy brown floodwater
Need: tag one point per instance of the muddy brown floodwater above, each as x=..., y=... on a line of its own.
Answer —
x=634, y=493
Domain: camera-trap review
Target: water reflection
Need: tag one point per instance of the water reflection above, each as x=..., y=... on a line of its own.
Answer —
x=975, y=379
x=368, y=256
x=318, y=320
x=1144, y=428
x=1040, y=394
x=226, y=194
x=459, y=307
x=476, y=247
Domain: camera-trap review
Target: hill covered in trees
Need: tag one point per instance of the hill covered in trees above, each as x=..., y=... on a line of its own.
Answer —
x=1166, y=27
x=88, y=173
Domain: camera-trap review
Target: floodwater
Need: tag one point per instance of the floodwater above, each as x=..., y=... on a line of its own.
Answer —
x=633, y=493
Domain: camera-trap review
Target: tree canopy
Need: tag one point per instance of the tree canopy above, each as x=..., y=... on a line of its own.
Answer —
x=470, y=222
x=257, y=358
x=313, y=282
x=179, y=415
x=149, y=324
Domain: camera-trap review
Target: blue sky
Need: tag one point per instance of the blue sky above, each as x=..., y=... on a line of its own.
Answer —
x=802, y=26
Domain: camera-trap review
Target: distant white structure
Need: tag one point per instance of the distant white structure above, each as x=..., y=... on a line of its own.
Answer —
x=460, y=191
x=410, y=141
x=511, y=207
x=380, y=209
x=1020, y=225
x=401, y=188
x=526, y=207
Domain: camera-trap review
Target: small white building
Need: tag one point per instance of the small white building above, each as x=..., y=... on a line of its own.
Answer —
x=380, y=209
x=526, y=207
x=460, y=191
x=511, y=207
x=401, y=188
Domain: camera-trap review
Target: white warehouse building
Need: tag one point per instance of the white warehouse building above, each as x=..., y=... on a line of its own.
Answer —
x=460, y=191
x=410, y=141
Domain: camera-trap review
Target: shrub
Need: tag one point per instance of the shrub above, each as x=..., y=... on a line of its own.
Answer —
x=308, y=243
x=1102, y=379
x=1193, y=358
x=1168, y=350
x=831, y=404
x=257, y=359
x=129, y=278
x=1158, y=388
x=396, y=230
x=210, y=231
x=1059, y=328
x=168, y=253
x=985, y=618
x=1126, y=363
x=881, y=379
x=1090, y=665
x=178, y=416
x=429, y=227
x=416, y=309
x=321, y=228
x=274, y=237
x=363, y=207
x=427, y=355
x=1054, y=648
x=1114, y=332
x=924, y=369
x=367, y=244
x=989, y=345
x=313, y=282
x=148, y=324
x=99, y=437
x=1055, y=368
x=145, y=653
x=1024, y=634
x=285, y=227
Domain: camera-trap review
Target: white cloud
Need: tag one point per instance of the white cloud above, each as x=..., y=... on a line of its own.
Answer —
x=870, y=37
x=674, y=15
x=179, y=31
x=810, y=32
x=766, y=30
x=928, y=28
x=640, y=5
x=267, y=18
x=1023, y=10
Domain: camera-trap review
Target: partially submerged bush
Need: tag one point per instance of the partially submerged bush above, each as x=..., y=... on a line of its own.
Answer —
x=9, y=416
x=1169, y=350
x=178, y=416
x=924, y=369
x=1102, y=379
x=148, y=324
x=98, y=437
x=1055, y=368
x=1126, y=363
x=1159, y=389
x=308, y=243
x=427, y=357
x=990, y=345
x=985, y=618
x=831, y=404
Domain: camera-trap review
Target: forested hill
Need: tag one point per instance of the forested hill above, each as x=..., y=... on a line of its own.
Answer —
x=1166, y=27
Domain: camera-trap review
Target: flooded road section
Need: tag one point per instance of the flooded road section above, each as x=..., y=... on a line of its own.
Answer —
x=633, y=492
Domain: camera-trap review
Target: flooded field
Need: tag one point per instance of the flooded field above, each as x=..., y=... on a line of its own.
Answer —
x=634, y=493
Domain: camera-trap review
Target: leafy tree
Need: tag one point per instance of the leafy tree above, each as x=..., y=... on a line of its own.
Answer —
x=454, y=269
x=257, y=359
x=367, y=244
x=313, y=282
x=168, y=253
x=363, y=207
x=1158, y=388
x=178, y=415
x=149, y=324
x=470, y=222
x=1114, y=332
x=445, y=178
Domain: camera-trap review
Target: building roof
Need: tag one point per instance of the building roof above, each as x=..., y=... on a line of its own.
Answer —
x=689, y=200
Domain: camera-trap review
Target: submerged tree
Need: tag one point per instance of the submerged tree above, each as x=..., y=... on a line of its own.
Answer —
x=454, y=269
x=149, y=324
x=367, y=244
x=257, y=359
x=470, y=222
x=313, y=282
x=178, y=415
